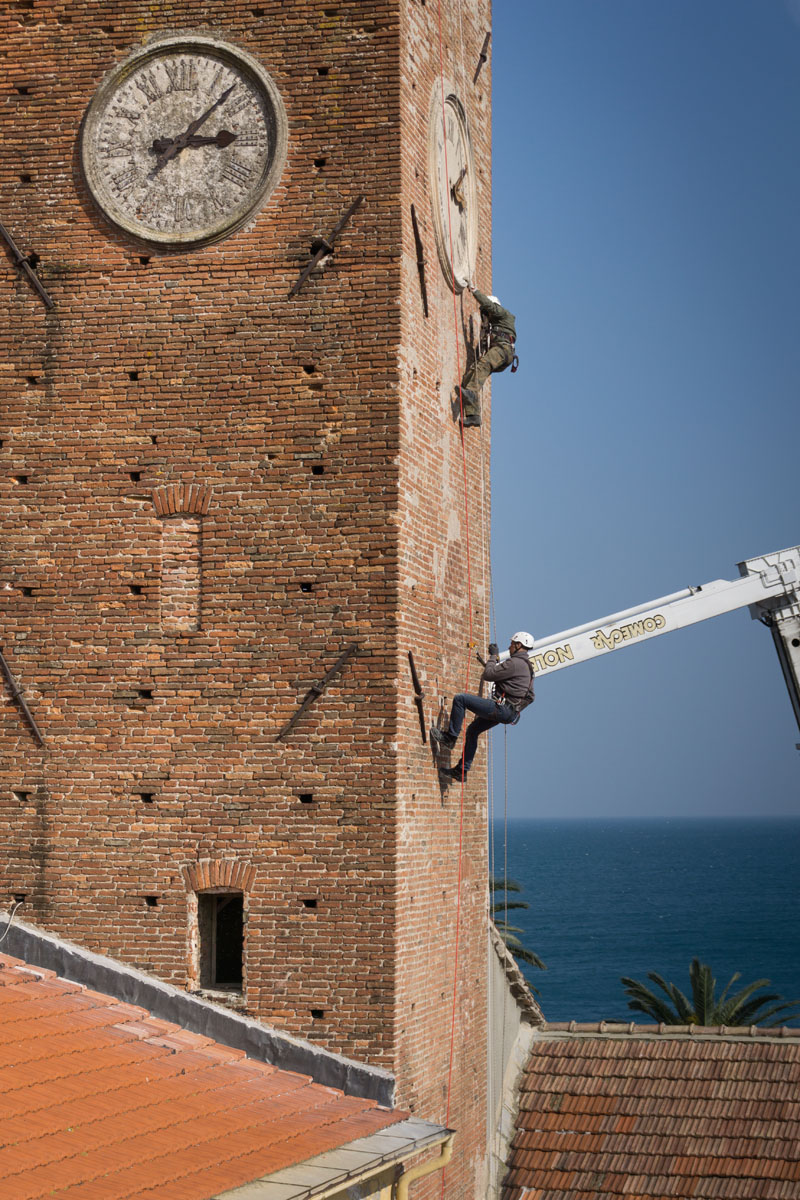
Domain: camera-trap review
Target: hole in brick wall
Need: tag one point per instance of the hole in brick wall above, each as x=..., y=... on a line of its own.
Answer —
x=151, y=901
x=135, y=476
x=146, y=693
x=20, y=478
x=23, y=89
x=323, y=70
x=33, y=259
x=135, y=589
x=26, y=178
x=154, y=439
x=147, y=797
x=306, y=797
x=309, y=904
x=318, y=469
x=306, y=587
x=258, y=12
x=318, y=1013
x=2, y=443
x=309, y=368
x=19, y=897
x=32, y=380
x=320, y=162
x=220, y=919
x=108, y=29
x=27, y=591
x=144, y=259
x=22, y=795
x=133, y=374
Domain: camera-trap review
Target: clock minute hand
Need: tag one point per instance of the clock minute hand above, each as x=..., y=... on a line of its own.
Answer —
x=182, y=140
x=221, y=139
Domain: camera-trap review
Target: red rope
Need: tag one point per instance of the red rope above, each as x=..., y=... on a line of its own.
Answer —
x=469, y=593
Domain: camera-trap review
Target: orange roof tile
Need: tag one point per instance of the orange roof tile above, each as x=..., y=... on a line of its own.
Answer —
x=100, y=1101
x=645, y=1113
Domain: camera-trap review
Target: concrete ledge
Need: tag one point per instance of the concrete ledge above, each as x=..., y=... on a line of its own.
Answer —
x=169, y=1003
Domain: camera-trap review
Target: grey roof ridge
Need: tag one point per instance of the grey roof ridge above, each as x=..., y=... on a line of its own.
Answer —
x=345, y=1166
x=169, y=1003
x=629, y=1029
x=517, y=983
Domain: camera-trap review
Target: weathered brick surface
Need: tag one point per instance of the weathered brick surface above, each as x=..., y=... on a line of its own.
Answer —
x=168, y=391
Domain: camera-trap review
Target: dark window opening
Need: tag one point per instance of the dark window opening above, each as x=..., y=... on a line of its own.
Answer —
x=25, y=178
x=133, y=375
x=32, y=380
x=320, y=162
x=27, y=591
x=306, y=587
x=21, y=795
x=306, y=797
x=318, y=1013
x=323, y=70
x=22, y=89
x=318, y=469
x=21, y=478
x=146, y=693
x=309, y=904
x=220, y=917
x=135, y=589
x=144, y=259
x=147, y=797
x=151, y=901
x=136, y=476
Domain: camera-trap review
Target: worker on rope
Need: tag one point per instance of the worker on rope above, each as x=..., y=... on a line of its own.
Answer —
x=498, y=335
x=513, y=691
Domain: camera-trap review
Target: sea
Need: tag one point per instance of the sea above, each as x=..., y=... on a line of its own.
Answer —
x=624, y=897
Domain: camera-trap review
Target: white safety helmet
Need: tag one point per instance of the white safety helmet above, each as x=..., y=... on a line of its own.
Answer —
x=494, y=300
x=524, y=639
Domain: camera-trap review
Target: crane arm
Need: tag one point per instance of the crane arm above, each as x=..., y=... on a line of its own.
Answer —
x=769, y=585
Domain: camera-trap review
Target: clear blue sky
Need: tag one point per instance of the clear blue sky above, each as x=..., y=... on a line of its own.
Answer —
x=647, y=236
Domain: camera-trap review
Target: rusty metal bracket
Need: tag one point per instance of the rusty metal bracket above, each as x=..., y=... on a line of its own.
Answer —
x=419, y=696
x=324, y=246
x=316, y=689
x=482, y=57
x=22, y=263
x=18, y=698
x=420, y=260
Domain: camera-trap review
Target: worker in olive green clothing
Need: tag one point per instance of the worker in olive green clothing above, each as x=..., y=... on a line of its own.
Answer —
x=502, y=336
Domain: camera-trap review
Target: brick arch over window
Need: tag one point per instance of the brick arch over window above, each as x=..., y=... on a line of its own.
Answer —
x=218, y=873
x=175, y=498
x=182, y=507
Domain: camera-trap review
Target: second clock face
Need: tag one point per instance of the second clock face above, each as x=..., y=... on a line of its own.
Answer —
x=184, y=141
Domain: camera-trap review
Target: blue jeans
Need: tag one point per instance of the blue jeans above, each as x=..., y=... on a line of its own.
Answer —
x=487, y=714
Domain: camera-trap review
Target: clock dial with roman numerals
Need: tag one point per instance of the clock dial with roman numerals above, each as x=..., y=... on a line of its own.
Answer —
x=453, y=186
x=184, y=141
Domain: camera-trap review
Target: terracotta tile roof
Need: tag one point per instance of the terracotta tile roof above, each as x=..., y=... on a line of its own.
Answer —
x=648, y=1113
x=100, y=1101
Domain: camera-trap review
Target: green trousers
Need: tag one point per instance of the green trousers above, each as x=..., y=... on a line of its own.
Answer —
x=497, y=358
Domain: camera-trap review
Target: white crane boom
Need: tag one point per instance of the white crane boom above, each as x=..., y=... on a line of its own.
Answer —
x=769, y=585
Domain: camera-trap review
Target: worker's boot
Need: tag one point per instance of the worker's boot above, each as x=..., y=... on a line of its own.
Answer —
x=442, y=738
x=452, y=774
x=470, y=408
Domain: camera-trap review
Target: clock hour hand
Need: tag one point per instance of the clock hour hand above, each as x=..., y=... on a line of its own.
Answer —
x=179, y=143
x=222, y=139
x=457, y=191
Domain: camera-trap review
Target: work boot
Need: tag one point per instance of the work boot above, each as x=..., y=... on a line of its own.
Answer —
x=470, y=420
x=442, y=738
x=451, y=774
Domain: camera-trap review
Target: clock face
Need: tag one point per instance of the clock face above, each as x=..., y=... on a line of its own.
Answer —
x=453, y=186
x=184, y=141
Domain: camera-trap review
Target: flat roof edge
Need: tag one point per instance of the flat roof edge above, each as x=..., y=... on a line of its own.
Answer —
x=167, y=1002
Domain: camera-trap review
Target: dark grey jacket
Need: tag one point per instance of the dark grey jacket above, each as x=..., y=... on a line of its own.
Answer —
x=514, y=676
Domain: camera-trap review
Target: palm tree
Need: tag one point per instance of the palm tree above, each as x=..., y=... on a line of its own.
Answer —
x=743, y=1008
x=508, y=933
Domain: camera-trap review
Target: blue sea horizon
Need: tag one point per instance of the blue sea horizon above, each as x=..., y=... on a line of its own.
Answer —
x=617, y=896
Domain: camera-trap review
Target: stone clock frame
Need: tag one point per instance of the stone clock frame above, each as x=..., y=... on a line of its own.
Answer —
x=467, y=216
x=179, y=227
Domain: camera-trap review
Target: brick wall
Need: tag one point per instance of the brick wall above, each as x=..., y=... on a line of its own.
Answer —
x=208, y=490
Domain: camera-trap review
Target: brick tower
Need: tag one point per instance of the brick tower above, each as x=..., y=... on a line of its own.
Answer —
x=212, y=492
